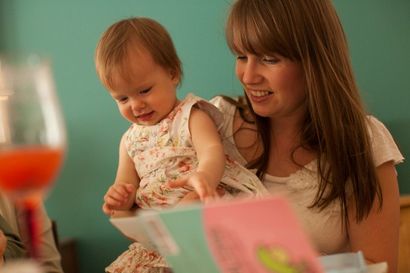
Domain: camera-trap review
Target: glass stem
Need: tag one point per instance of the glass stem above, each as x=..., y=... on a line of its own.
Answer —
x=32, y=231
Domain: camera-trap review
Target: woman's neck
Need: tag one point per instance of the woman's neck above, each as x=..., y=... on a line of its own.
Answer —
x=286, y=155
x=286, y=131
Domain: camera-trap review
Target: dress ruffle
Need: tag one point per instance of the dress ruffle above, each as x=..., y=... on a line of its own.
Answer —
x=138, y=259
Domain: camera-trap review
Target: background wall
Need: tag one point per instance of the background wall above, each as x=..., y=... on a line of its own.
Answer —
x=67, y=32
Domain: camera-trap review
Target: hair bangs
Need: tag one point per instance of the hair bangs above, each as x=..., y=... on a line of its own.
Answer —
x=117, y=67
x=252, y=29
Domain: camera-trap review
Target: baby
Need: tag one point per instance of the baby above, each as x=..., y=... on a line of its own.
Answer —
x=168, y=140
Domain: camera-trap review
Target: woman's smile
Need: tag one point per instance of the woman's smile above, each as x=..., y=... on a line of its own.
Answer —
x=259, y=95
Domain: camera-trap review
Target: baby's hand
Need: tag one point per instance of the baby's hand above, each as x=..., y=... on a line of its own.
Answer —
x=200, y=183
x=190, y=197
x=119, y=197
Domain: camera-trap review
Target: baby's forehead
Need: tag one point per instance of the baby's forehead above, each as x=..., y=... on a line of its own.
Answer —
x=134, y=49
x=133, y=57
x=118, y=74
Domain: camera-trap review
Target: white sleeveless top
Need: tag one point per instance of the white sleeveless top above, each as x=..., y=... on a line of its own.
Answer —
x=324, y=227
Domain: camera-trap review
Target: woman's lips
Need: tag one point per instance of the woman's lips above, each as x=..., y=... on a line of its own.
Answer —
x=259, y=95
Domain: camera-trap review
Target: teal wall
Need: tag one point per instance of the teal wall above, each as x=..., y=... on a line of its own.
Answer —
x=67, y=32
x=379, y=37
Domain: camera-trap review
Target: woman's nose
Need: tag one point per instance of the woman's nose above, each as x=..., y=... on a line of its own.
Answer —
x=249, y=73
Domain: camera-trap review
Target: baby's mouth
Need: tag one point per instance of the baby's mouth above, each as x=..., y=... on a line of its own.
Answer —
x=144, y=116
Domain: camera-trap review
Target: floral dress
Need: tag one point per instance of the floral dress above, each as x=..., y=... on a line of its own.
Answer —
x=165, y=152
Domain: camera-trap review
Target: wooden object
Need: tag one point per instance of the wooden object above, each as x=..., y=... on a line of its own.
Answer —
x=69, y=261
x=68, y=251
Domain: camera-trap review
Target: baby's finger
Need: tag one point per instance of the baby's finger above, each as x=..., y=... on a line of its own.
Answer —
x=111, y=201
x=106, y=209
x=220, y=191
x=202, y=191
x=210, y=196
x=118, y=193
x=178, y=183
x=130, y=188
x=121, y=190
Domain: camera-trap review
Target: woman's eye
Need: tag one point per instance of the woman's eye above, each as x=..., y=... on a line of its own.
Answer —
x=269, y=60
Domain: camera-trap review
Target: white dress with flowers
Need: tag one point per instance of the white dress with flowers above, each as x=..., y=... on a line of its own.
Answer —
x=165, y=152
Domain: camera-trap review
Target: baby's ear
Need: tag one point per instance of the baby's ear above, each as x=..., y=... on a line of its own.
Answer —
x=175, y=76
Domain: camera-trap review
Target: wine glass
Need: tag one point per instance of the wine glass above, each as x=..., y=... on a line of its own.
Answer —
x=32, y=137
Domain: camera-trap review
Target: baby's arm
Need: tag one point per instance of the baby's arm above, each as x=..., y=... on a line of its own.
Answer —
x=121, y=195
x=210, y=153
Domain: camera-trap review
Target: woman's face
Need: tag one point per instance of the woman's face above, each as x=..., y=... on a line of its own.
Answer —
x=274, y=85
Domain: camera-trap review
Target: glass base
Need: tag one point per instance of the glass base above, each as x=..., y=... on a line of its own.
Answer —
x=21, y=266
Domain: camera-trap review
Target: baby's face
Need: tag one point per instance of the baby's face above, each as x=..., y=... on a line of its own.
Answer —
x=148, y=94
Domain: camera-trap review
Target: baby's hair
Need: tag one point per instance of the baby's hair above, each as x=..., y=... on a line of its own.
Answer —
x=112, y=52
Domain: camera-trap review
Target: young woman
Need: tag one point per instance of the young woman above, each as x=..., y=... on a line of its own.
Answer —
x=304, y=128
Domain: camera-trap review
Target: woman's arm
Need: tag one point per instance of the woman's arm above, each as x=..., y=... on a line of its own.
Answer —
x=378, y=235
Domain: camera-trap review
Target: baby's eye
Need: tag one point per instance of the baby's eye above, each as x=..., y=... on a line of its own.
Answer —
x=122, y=99
x=145, y=91
x=270, y=60
x=241, y=57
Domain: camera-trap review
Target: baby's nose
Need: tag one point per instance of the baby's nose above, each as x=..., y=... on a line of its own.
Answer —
x=137, y=105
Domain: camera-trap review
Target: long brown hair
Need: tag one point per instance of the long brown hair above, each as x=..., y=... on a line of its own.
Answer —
x=309, y=32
